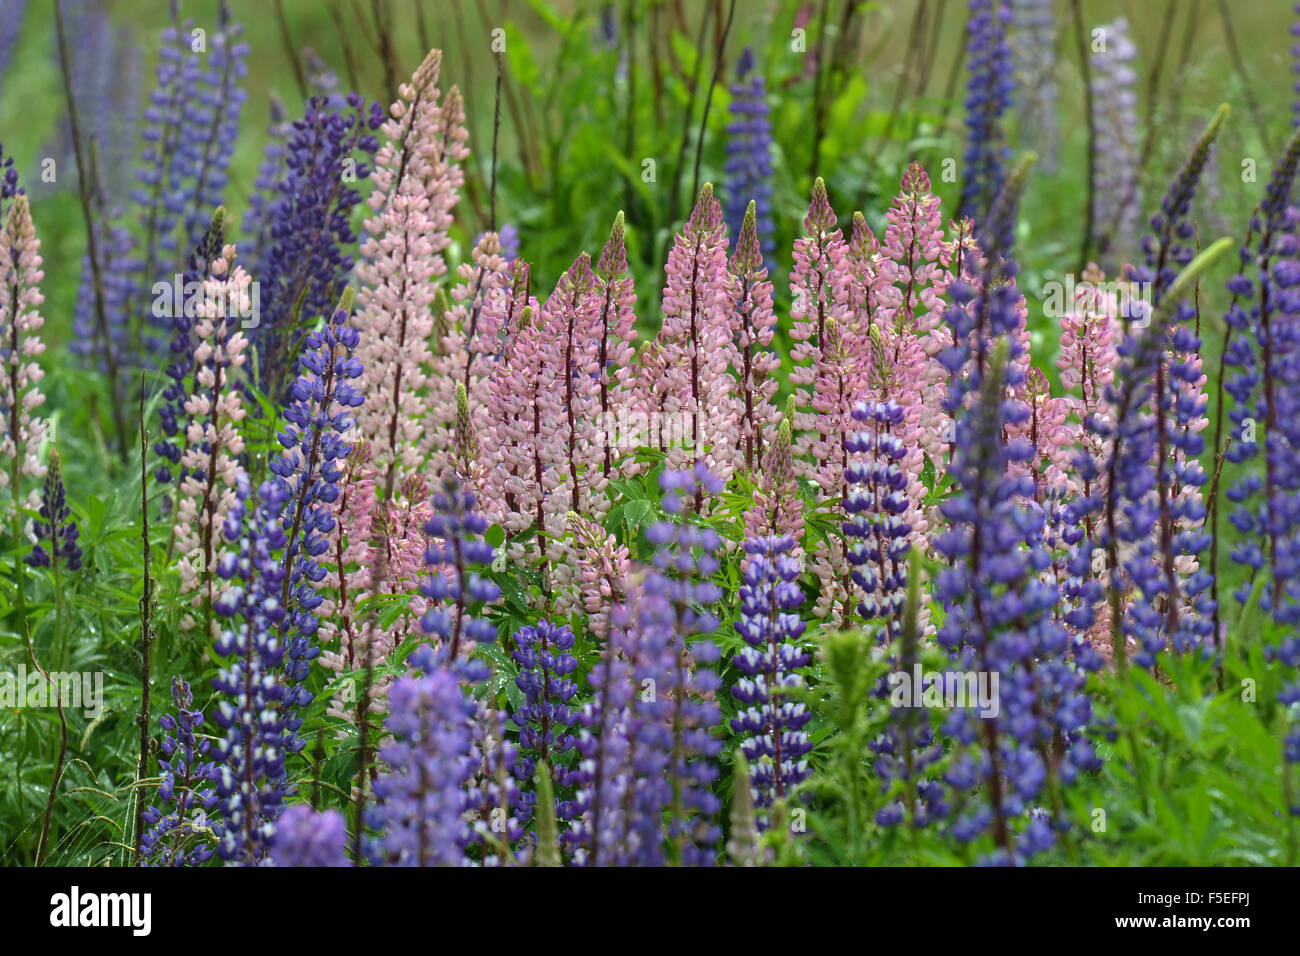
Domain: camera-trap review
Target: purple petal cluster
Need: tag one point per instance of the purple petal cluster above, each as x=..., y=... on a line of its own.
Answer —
x=191, y=125
x=178, y=837
x=877, y=503
x=304, y=837
x=256, y=716
x=1153, y=523
x=1000, y=613
x=546, y=717
x=775, y=743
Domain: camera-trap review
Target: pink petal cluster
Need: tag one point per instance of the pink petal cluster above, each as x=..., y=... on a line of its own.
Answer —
x=571, y=449
x=1087, y=361
x=20, y=321
x=510, y=489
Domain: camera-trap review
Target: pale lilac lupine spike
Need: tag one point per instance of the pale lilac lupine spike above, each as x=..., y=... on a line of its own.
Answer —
x=754, y=323
x=696, y=342
x=213, y=442
x=20, y=323
x=818, y=289
x=415, y=189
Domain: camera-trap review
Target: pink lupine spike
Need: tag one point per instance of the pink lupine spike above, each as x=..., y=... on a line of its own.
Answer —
x=777, y=509
x=512, y=493
x=213, y=442
x=617, y=332
x=375, y=548
x=754, y=323
x=1046, y=431
x=605, y=572
x=416, y=182
x=1088, y=360
x=839, y=384
x=696, y=342
x=914, y=242
x=466, y=458
x=20, y=322
x=569, y=406
x=468, y=348
x=818, y=289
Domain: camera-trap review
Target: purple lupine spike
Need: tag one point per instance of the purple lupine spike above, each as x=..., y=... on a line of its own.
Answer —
x=56, y=527
x=988, y=97
x=306, y=262
x=677, y=721
x=545, y=718
x=11, y=27
x=420, y=799
x=304, y=837
x=1260, y=358
x=105, y=79
x=749, y=154
x=603, y=779
x=253, y=712
x=191, y=125
x=877, y=506
x=178, y=837
x=270, y=597
x=1034, y=61
x=775, y=743
x=1152, y=523
x=319, y=417
x=495, y=802
x=1117, y=206
x=457, y=590
x=1000, y=614
x=646, y=742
